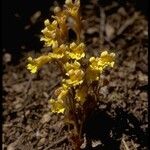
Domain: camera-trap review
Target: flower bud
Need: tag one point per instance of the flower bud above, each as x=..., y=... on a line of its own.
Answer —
x=57, y=10
x=67, y=2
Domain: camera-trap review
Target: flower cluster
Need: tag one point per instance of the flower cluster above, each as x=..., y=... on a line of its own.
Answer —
x=74, y=72
x=98, y=64
x=58, y=105
x=35, y=64
x=76, y=77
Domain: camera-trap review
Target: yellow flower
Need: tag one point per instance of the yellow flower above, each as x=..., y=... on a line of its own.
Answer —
x=50, y=33
x=74, y=73
x=75, y=65
x=81, y=94
x=62, y=92
x=73, y=7
x=57, y=106
x=76, y=51
x=59, y=52
x=61, y=18
x=98, y=64
x=35, y=64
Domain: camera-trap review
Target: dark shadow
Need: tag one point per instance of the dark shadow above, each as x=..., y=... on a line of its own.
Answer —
x=109, y=130
x=16, y=16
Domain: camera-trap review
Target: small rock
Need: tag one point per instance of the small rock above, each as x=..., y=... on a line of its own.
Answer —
x=35, y=16
x=104, y=91
x=131, y=77
x=45, y=94
x=45, y=118
x=11, y=147
x=38, y=133
x=92, y=30
x=7, y=57
x=17, y=106
x=137, y=92
x=28, y=128
x=42, y=141
x=143, y=96
x=122, y=11
x=145, y=33
x=27, y=112
x=109, y=30
x=96, y=143
x=142, y=77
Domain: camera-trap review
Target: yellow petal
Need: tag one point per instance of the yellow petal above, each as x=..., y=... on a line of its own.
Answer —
x=57, y=106
x=104, y=53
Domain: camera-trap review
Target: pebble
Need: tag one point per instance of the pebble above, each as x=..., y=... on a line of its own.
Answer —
x=35, y=16
x=46, y=118
x=109, y=30
x=27, y=112
x=17, y=106
x=11, y=147
x=122, y=11
x=142, y=77
x=7, y=57
x=92, y=30
x=45, y=95
x=143, y=96
x=42, y=141
x=96, y=143
x=28, y=128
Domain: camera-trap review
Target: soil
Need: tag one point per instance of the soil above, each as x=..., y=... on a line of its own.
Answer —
x=121, y=120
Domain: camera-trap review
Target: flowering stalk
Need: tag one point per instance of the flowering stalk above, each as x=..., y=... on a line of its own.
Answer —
x=73, y=94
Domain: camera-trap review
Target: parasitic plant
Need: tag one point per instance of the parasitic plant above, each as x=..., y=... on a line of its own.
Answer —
x=73, y=97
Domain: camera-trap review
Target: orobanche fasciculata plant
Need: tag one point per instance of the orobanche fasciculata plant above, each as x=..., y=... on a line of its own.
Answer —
x=76, y=97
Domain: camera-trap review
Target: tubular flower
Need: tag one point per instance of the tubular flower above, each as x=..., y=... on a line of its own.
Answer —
x=81, y=94
x=61, y=17
x=35, y=64
x=62, y=92
x=59, y=52
x=74, y=73
x=76, y=51
x=50, y=34
x=99, y=64
x=57, y=106
x=102, y=62
x=73, y=8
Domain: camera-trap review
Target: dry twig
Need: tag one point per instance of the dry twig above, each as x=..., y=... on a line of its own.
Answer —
x=56, y=142
x=125, y=145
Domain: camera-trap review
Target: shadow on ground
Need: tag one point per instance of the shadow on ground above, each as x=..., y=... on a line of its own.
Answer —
x=110, y=130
